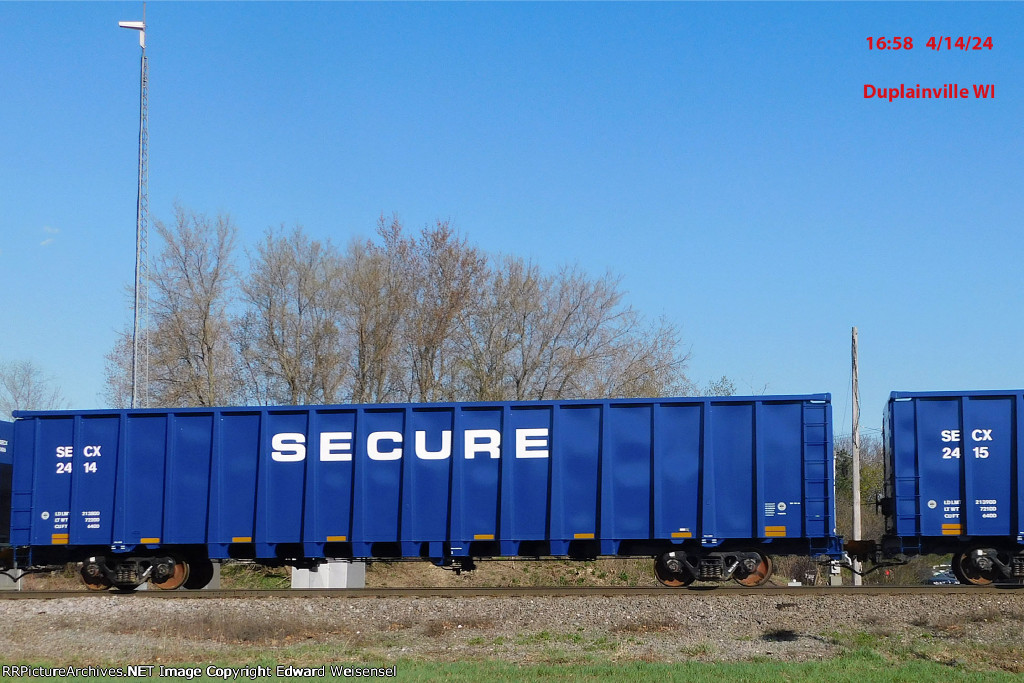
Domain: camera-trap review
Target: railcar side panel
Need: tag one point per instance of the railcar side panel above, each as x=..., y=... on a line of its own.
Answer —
x=729, y=475
x=476, y=476
x=140, y=492
x=525, y=482
x=576, y=478
x=50, y=486
x=626, y=473
x=427, y=475
x=953, y=464
x=93, y=487
x=575, y=440
x=235, y=454
x=6, y=467
x=677, y=466
x=281, y=490
x=329, y=478
x=379, y=474
x=186, y=507
x=780, y=454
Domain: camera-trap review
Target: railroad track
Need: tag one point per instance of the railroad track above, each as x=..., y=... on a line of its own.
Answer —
x=524, y=592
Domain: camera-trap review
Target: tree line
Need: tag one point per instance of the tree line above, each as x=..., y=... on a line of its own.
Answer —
x=23, y=386
x=400, y=317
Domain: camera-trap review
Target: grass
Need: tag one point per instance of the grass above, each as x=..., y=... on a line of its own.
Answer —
x=572, y=654
x=862, y=666
x=972, y=640
x=977, y=643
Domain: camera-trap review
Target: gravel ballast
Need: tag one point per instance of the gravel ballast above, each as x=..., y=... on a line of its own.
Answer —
x=677, y=627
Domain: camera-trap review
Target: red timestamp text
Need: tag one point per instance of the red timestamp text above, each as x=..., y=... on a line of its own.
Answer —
x=960, y=43
x=963, y=43
x=896, y=43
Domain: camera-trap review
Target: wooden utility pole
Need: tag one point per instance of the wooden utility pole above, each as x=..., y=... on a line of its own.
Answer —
x=856, y=457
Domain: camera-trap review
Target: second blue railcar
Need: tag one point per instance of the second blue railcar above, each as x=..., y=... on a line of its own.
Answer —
x=954, y=462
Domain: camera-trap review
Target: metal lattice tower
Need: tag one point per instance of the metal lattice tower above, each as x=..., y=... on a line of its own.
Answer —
x=140, y=329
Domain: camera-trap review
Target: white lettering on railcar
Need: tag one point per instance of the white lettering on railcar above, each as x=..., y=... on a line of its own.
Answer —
x=60, y=519
x=90, y=451
x=492, y=445
x=91, y=518
x=335, y=446
x=389, y=445
x=532, y=443
x=373, y=448
x=424, y=454
x=289, y=447
x=953, y=435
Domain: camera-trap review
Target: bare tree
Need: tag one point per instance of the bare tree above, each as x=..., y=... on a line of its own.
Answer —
x=401, y=318
x=191, y=285
x=566, y=335
x=447, y=278
x=118, y=380
x=24, y=387
x=586, y=342
x=640, y=360
x=291, y=341
x=378, y=298
x=496, y=331
x=722, y=386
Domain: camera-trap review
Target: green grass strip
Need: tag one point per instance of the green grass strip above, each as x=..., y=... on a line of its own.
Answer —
x=861, y=666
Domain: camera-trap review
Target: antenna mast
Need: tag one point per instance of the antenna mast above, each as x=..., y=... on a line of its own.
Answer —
x=140, y=329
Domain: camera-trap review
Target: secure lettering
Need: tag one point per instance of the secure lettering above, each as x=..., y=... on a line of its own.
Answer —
x=389, y=445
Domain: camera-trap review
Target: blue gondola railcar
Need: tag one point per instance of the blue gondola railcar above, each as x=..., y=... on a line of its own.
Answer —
x=6, y=466
x=953, y=466
x=707, y=486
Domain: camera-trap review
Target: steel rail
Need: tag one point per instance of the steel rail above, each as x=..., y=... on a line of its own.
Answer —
x=518, y=592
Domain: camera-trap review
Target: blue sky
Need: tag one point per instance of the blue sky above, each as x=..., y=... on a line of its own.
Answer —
x=720, y=157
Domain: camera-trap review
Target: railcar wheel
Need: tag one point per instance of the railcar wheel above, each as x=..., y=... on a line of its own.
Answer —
x=170, y=577
x=94, y=583
x=671, y=573
x=758, y=575
x=968, y=570
x=93, y=578
x=200, y=573
x=955, y=568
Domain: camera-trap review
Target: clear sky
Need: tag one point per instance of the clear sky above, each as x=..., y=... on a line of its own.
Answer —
x=721, y=157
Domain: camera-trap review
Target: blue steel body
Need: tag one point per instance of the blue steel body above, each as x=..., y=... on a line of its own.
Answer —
x=954, y=462
x=6, y=466
x=570, y=478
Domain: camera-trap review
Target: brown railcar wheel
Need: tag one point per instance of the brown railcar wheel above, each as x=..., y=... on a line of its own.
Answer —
x=177, y=578
x=94, y=581
x=760, y=575
x=100, y=584
x=955, y=568
x=672, y=579
x=966, y=572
